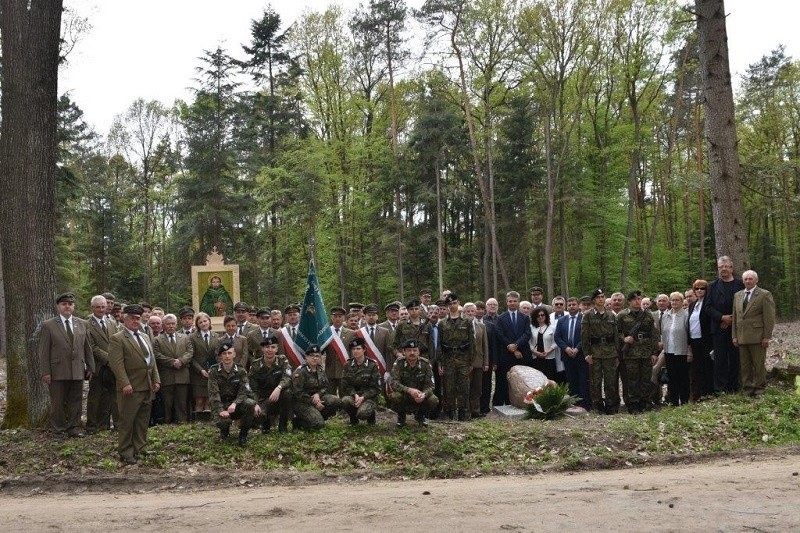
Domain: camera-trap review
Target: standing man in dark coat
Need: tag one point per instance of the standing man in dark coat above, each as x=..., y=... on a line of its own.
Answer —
x=719, y=308
x=65, y=359
x=513, y=333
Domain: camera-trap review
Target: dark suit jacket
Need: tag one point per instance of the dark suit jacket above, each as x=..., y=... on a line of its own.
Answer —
x=166, y=353
x=128, y=362
x=59, y=358
x=719, y=302
x=519, y=334
x=705, y=320
x=562, y=334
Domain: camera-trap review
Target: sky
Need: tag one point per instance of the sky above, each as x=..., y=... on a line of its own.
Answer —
x=150, y=48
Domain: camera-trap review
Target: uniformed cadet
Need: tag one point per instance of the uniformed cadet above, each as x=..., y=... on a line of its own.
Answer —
x=256, y=335
x=639, y=342
x=412, y=381
x=334, y=368
x=312, y=402
x=360, y=384
x=599, y=340
x=230, y=395
x=414, y=327
x=271, y=380
x=456, y=352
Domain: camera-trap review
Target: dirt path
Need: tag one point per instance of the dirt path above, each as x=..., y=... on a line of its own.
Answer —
x=750, y=494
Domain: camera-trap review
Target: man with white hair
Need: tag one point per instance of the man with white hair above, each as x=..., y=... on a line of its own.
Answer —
x=753, y=322
x=718, y=306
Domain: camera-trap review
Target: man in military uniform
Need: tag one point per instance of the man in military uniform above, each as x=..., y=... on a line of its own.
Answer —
x=414, y=327
x=412, y=381
x=392, y=310
x=230, y=395
x=360, y=384
x=256, y=335
x=313, y=404
x=336, y=350
x=271, y=380
x=457, y=351
x=241, y=311
x=599, y=341
x=639, y=348
x=186, y=315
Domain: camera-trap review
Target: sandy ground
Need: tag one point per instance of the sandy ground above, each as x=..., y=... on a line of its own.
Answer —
x=746, y=494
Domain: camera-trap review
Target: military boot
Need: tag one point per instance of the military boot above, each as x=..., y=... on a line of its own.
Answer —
x=283, y=422
x=265, y=425
x=401, y=418
x=243, y=436
x=421, y=419
x=353, y=419
x=224, y=433
x=371, y=419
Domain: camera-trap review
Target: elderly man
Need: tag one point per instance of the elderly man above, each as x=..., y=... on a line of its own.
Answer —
x=101, y=403
x=174, y=352
x=718, y=306
x=65, y=359
x=753, y=322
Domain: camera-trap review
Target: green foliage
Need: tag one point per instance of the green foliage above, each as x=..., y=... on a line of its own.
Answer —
x=549, y=402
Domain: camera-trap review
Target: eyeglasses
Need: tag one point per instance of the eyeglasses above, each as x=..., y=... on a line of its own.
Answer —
x=700, y=288
x=559, y=303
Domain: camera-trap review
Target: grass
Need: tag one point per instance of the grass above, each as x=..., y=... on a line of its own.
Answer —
x=445, y=450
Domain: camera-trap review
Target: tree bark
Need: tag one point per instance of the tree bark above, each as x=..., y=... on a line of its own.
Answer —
x=30, y=49
x=720, y=130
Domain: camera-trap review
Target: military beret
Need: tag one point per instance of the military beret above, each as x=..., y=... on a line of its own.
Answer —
x=291, y=308
x=441, y=303
x=536, y=289
x=313, y=349
x=586, y=299
x=336, y=310
x=224, y=347
x=118, y=306
x=597, y=292
x=357, y=341
x=371, y=308
x=450, y=298
x=355, y=305
x=412, y=303
x=240, y=306
x=264, y=311
x=425, y=292
x=392, y=306
x=65, y=297
x=272, y=339
x=633, y=295
x=133, y=310
x=252, y=309
x=185, y=311
x=411, y=343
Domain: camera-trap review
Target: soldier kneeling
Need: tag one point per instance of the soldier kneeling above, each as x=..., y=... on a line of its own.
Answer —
x=230, y=395
x=312, y=402
x=360, y=384
x=412, y=381
x=271, y=380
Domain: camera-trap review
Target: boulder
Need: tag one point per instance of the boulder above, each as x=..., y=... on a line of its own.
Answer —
x=521, y=380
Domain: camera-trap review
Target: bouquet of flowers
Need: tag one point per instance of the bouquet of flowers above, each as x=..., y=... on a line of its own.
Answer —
x=549, y=402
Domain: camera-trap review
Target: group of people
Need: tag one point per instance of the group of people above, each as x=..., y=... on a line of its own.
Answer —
x=431, y=360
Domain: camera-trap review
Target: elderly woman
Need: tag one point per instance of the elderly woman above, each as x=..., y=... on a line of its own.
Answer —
x=675, y=339
x=543, y=344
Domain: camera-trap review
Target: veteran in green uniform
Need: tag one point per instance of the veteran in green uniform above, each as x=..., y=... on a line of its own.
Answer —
x=230, y=395
x=313, y=404
x=457, y=350
x=412, y=381
x=639, y=347
x=271, y=380
x=360, y=384
x=599, y=340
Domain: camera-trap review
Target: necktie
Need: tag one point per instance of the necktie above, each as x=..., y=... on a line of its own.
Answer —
x=337, y=332
x=241, y=329
x=103, y=325
x=571, y=335
x=172, y=339
x=746, y=299
x=69, y=331
x=206, y=338
x=513, y=318
x=435, y=336
x=294, y=333
x=143, y=346
x=372, y=332
x=264, y=334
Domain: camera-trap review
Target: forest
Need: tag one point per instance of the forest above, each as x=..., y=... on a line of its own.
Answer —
x=479, y=146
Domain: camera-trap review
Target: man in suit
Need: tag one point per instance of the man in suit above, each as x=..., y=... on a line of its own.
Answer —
x=134, y=366
x=65, y=359
x=186, y=315
x=480, y=361
x=392, y=310
x=174, y=352
x=241, y=311
x=513, y=331
x=719, y=308
x=753, y=322
x=259, y=334
x=568, y=339
x=334, y=364
x=488, y=318
x=537, y=299
x=239, y=342
x=101, y=404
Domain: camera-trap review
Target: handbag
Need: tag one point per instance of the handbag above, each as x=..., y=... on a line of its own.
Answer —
x=663, y=376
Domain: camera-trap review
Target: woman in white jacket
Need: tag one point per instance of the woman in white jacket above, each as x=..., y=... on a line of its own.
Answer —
x=543, y=344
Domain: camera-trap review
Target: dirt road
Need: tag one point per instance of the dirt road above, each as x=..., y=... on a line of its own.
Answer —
x=750, y=494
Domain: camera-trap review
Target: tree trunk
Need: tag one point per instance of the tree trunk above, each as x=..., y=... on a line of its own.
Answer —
x=30, y=50
x=720, y=128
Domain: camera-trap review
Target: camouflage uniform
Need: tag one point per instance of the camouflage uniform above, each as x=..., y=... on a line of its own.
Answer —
x=364, y=381
x=638, y=363
x=305, y=384
x=226, y=387
x=457, y=340
x=264, y=379
x=599, y=339
x=420, y=377
x=406, y=330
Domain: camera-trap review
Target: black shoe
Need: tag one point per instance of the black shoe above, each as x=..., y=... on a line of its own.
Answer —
x=353, y=420
x=401, y=420
x=243, y=437
x=421, y=420
x=128, y=460
x=224, y=433
x=371, y=419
